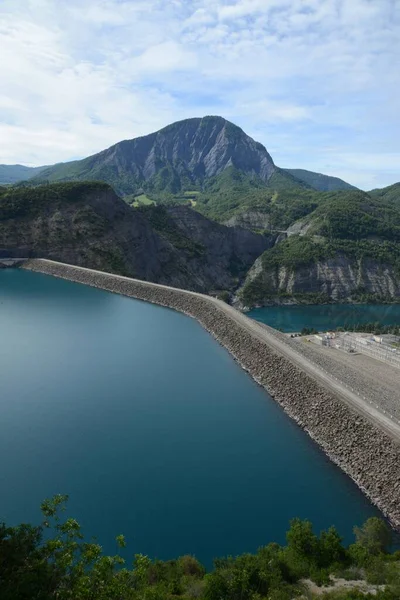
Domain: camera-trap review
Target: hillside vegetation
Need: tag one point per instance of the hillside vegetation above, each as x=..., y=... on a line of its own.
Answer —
x=85, y=223
x=53, y=560
x=388, y=194
x=346, y=247
x=320, y=182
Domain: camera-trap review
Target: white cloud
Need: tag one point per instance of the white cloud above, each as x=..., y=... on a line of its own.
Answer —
x=167, y=56
x=300, y=75
x=242, y=8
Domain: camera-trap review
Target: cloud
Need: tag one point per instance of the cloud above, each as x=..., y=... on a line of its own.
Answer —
x=316, y=81
x=243, y=8
x=167, y=56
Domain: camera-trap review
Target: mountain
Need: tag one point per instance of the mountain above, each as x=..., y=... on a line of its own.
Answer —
x=320, y=182
x=14, y=173
x=182, y=156
x=387, y=194
x=204, y=207
x=86, y=224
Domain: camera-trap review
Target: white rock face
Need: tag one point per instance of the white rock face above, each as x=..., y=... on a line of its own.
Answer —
x=340, y=278
x=251, y=219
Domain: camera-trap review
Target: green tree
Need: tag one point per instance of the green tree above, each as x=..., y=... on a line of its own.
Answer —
x=302, y=540
x=374, y=536
x=331, y=550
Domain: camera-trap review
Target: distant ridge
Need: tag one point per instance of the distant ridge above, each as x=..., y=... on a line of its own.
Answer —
x=10, y=174
x=320, y=182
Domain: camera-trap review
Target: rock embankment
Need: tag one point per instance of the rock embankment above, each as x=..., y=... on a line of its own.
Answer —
x=367, y=454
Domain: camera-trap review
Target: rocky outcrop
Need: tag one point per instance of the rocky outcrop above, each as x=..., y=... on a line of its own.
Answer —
x=250, y=219
x=298, y=228
x=340, y=279
x=362, y=450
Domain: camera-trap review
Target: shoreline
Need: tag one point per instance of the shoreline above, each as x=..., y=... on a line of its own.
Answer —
x=364, y=451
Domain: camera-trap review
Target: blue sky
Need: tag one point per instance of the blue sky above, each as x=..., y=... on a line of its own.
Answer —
x=316, y=81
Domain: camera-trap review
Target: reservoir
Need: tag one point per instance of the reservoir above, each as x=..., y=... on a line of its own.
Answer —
x=325, y=317
x=150, y=426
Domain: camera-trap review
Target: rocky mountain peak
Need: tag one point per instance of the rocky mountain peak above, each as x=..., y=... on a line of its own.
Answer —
x=199, y=148
x=180, y=156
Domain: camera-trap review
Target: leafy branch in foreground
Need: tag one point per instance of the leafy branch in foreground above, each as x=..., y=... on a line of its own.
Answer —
x=52, y=561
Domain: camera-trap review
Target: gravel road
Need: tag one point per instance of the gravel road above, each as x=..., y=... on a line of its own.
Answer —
x=372, y=379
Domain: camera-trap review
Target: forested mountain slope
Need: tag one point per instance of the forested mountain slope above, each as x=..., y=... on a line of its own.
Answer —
x=388, y=194
x=347, y=248
x=319, y=181
x=88, y=225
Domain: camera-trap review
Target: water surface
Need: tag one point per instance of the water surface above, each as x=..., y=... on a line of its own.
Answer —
x=324, y=317
x=151, y=427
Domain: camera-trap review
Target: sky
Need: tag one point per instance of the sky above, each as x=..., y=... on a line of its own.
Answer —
x=316, y=81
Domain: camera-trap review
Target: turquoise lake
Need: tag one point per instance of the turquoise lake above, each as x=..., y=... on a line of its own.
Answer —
x=150, y=427
x=324, y=317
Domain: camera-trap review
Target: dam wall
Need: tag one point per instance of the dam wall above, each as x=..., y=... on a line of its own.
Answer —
x=369, y=455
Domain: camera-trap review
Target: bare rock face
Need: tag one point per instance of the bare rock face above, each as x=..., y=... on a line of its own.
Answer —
x=183, y=154
x=251, y=219
x=340, y=278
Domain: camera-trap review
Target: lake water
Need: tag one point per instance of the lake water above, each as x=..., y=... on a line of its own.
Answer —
x=150, y=427
x=325, y=317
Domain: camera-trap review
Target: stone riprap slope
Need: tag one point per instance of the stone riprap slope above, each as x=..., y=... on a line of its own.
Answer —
x=372, y=379
x=366, y=453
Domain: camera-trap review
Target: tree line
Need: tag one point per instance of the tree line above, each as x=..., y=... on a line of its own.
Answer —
x=53, y=561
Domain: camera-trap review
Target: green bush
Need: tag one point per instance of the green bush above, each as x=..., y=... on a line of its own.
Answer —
x=52, y=560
